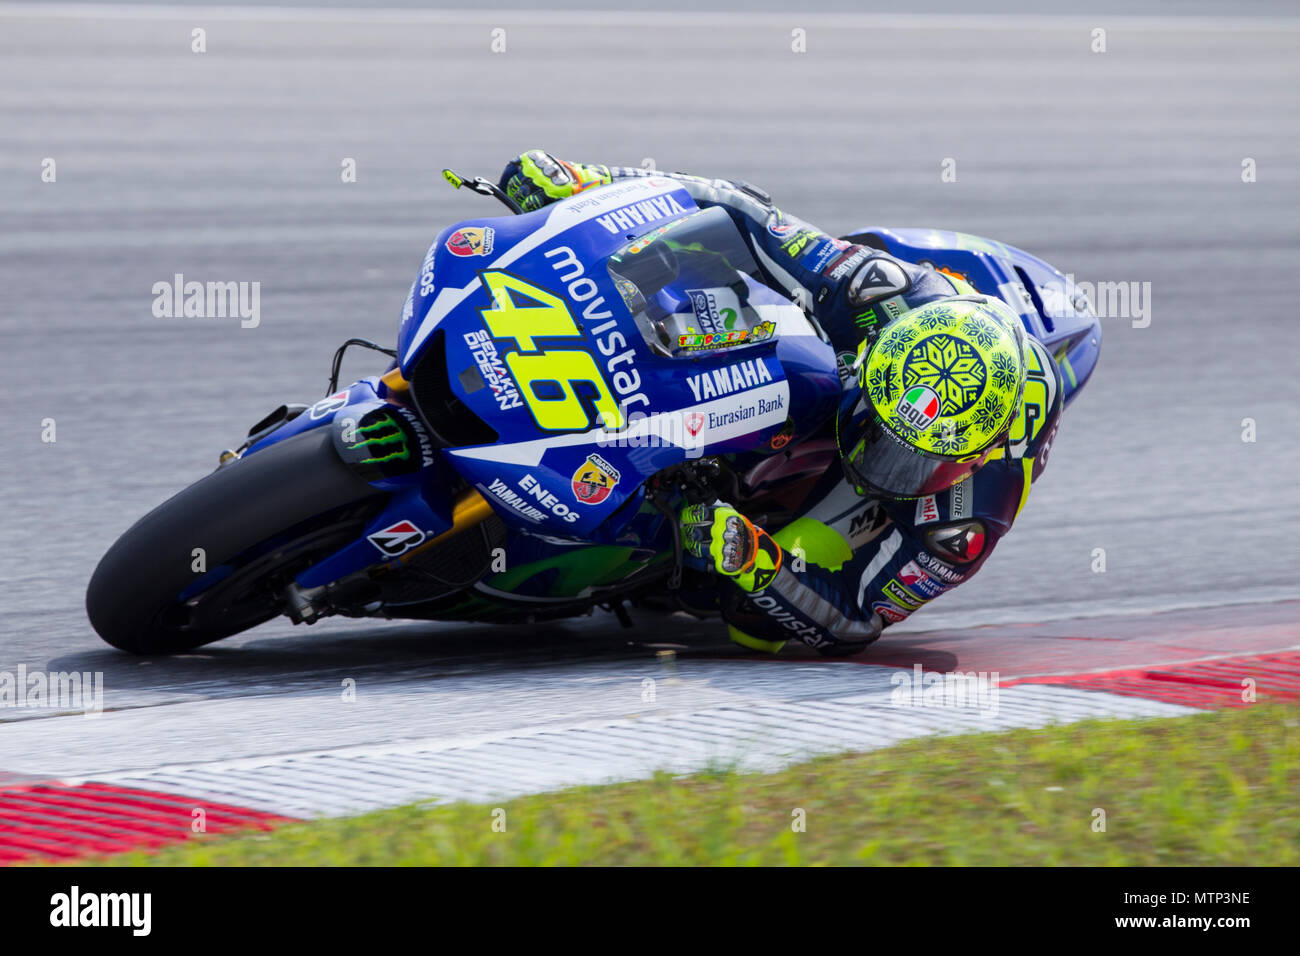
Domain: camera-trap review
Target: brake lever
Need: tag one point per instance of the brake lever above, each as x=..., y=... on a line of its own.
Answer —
x=483, y=187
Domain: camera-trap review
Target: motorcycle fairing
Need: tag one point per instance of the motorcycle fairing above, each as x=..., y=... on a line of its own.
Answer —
x=1050, y=305
x=570, y=480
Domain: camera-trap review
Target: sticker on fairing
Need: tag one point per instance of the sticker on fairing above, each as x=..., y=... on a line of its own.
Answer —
x=397, y=538
x=328, y=405
x=716, y=310
x=471, y=241
x=594, y=480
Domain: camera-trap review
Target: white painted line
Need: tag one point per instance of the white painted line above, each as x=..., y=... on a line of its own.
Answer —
x=754, y=735
x=625, y=19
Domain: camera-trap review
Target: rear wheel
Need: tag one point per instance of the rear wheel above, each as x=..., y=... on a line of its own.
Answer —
x=215, y=559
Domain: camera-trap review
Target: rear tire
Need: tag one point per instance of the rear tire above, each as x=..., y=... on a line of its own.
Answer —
x=259, y=520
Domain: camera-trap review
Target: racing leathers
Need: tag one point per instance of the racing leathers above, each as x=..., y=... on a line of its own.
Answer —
x=849, y=565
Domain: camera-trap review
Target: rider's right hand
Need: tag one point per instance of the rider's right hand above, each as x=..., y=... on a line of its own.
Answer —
x=536, y=178
x=719, y=538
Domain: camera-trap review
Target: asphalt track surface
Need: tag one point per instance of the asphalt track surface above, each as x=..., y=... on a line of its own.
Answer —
x=1122, y=166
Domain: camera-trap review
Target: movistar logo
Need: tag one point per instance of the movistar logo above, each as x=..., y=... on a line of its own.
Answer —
x=384, y=441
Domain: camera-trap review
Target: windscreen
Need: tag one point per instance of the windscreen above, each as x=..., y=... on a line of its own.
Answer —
x=688, y=283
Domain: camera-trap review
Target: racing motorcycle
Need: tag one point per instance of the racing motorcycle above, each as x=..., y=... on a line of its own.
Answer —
x=562, y=381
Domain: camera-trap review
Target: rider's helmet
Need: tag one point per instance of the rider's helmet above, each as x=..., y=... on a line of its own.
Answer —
x=941, y=386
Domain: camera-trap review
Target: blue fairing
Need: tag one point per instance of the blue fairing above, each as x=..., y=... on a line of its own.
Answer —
x=649, y=395
x=672, y=399
x=572, y=481
x=1053, y=309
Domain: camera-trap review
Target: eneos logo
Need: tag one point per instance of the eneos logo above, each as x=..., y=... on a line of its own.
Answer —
x=919, y=406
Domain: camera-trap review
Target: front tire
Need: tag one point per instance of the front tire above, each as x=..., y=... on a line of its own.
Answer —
x=258, y=521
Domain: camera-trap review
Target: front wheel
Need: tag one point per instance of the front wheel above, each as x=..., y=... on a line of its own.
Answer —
x=215, y=559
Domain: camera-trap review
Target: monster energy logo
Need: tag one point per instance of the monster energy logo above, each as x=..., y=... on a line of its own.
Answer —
x=383, y=440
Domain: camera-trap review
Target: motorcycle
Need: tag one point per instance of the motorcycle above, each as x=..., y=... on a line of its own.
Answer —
x=562, y=381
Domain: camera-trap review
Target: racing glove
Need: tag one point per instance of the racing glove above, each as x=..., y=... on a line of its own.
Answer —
x=536, y=178
x=721, y=539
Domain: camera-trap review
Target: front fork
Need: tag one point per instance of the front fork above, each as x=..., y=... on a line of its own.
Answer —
x=417, y=516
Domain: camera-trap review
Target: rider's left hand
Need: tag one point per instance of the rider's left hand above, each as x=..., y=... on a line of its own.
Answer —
x=537, y=178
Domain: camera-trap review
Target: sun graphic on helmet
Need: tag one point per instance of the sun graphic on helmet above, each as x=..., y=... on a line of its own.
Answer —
x=947, y=377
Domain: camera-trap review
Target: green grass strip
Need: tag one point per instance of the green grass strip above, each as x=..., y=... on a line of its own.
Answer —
x=1210, y=789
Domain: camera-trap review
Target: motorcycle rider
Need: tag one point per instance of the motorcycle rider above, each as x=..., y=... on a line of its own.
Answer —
x=956, y=414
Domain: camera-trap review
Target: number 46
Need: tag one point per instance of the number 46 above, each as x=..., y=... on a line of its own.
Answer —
x=548, y=378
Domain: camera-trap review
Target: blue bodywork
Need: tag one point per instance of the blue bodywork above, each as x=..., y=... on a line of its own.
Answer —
x=785, y=384
x=1053, y=309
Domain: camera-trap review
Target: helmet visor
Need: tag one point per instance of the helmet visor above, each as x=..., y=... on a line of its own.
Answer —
x=883, y=464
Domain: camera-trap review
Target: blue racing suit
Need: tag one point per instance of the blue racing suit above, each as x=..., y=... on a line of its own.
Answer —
x=896, y=555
